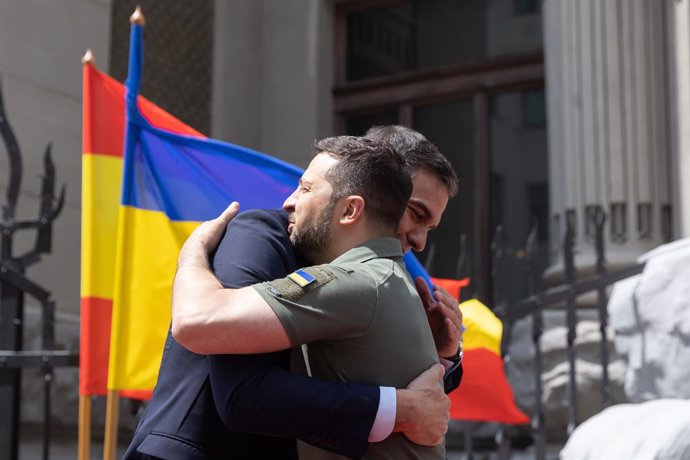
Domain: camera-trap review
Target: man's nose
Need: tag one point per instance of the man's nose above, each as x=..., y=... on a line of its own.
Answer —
x=417, y=240
x=289, y=203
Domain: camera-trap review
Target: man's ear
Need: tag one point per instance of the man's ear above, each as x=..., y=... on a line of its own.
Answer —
x=353, y=210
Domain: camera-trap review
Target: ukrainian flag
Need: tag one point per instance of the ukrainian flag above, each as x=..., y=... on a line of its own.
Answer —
x=171, y=182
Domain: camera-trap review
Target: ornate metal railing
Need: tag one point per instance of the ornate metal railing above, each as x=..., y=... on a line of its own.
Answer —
x=564, y=295
x=14, y=284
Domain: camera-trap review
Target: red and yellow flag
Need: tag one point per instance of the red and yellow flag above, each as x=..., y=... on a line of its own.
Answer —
x=453, y=286
x=102, y=140
x=484, y=394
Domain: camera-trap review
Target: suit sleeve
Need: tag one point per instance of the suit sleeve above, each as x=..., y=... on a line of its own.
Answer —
x=257, y=393
x=452, y=379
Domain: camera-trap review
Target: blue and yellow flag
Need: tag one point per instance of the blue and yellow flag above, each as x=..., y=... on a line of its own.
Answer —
x=171, y=182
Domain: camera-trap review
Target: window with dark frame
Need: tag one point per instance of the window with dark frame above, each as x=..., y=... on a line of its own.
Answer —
x=523, y=7
x=409, y=54
x=416, y=35
x=178, y=55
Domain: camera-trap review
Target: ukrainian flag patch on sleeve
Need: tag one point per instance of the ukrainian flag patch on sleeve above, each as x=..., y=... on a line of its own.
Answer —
x=301, y=278
x=300, y=282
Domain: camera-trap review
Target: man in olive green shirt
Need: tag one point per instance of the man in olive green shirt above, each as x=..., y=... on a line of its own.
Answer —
x=363, y=323
x=360, y=313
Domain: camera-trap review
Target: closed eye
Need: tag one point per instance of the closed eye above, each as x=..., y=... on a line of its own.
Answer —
x=416, y=215
x=304, y=186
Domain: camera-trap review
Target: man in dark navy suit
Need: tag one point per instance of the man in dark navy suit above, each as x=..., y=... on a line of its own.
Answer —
x=261, y=406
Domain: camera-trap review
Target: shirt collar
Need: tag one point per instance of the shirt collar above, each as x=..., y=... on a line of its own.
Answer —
x=372, y=249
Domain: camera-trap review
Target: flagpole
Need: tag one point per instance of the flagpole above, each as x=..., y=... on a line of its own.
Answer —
x=84, y=441
x=137, y=22
x=111, y=420
x=84, y=436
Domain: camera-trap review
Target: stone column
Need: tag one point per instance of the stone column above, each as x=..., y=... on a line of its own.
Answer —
x=606, y=62
x=606, y=114
x=679, y=98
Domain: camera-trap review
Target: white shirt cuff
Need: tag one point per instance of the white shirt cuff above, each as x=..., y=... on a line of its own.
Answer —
x=385, y=415
x=448, y=364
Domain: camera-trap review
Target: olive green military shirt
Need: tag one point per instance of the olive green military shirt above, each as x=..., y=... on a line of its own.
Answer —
x=364, y=322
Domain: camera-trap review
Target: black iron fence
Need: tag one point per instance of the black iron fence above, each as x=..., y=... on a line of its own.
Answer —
x=560, y=297
x=14, y=284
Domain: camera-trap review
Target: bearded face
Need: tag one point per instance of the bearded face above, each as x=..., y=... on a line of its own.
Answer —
x=312, y=236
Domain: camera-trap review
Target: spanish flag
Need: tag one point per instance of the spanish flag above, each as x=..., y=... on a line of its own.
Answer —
x=484, y=394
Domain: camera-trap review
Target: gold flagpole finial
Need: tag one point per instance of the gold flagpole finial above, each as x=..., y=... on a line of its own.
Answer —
x=88, y=57
x=137, y=17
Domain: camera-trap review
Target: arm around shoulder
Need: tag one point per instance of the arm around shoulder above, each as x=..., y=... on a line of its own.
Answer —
x=203, y=311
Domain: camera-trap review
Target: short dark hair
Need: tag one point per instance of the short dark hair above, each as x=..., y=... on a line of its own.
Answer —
x=373, y=170
x=418, y=152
